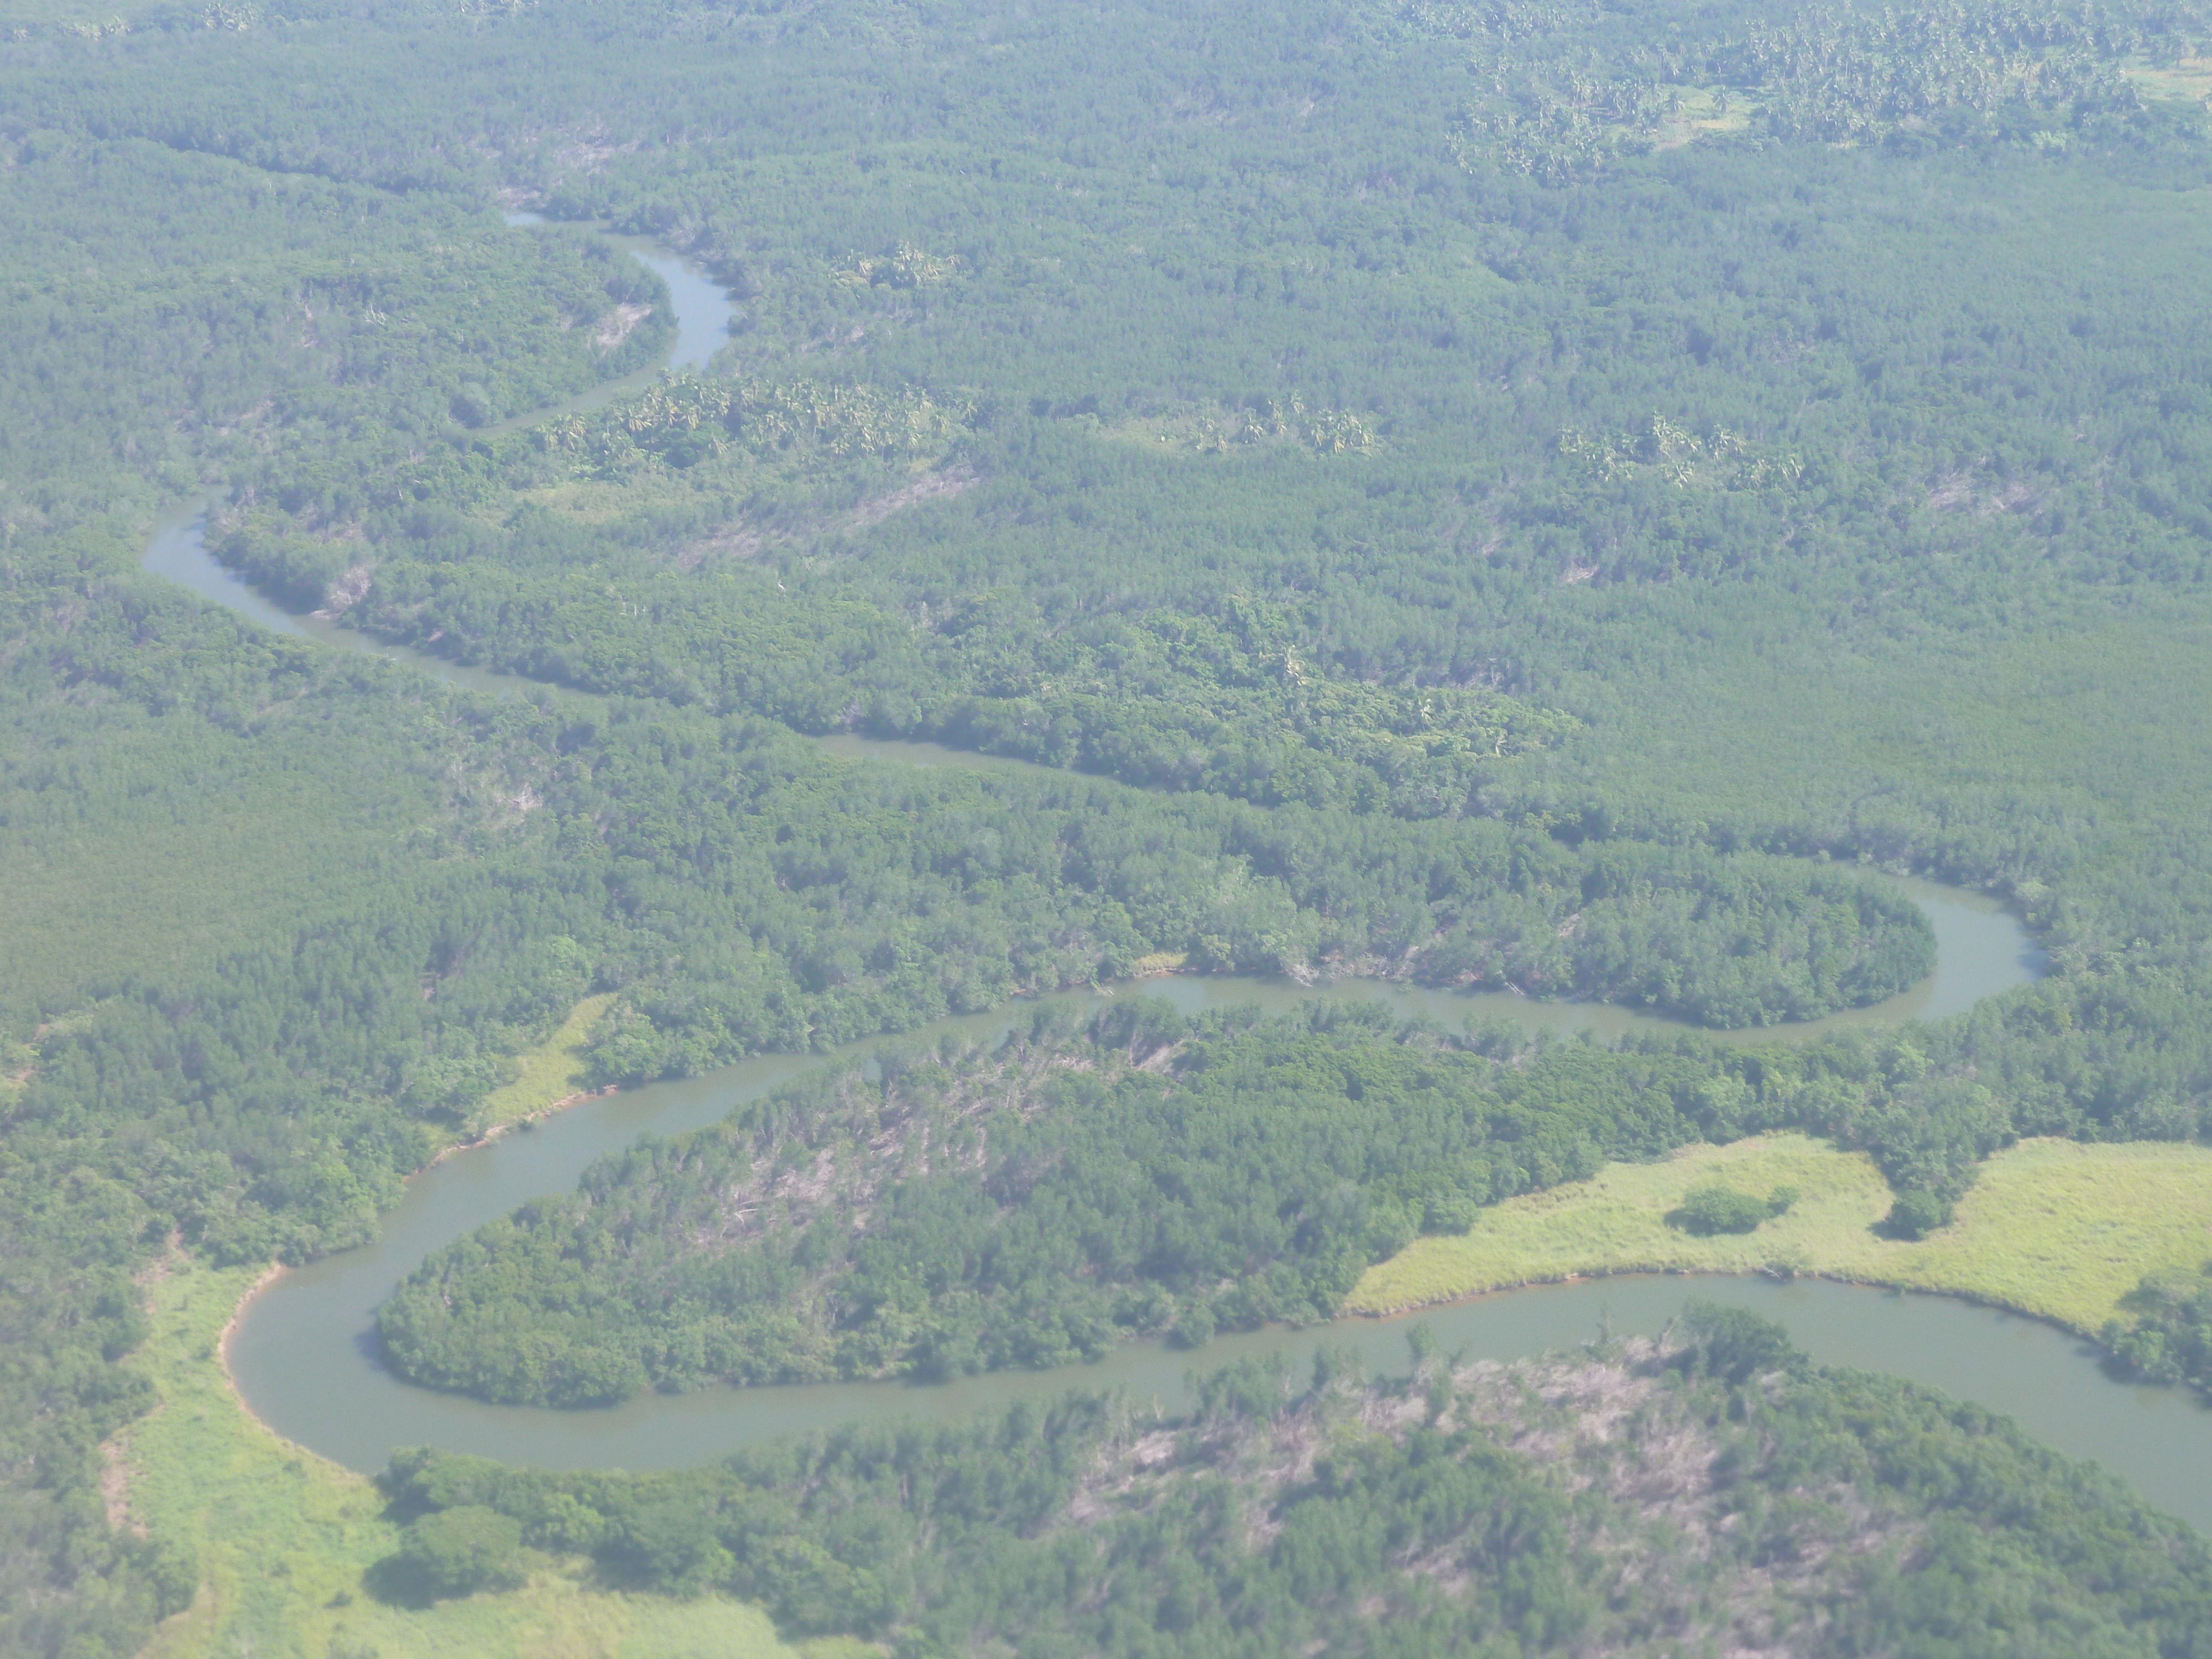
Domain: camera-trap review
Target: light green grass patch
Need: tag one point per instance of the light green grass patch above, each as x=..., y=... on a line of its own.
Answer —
x=2190, y=77
x=1699, y=113
x=1615, y=1222
x=1214, y=428
x=2052, y=1228
x=553, y=1072
x=284, y=1536
x=2064, y=1231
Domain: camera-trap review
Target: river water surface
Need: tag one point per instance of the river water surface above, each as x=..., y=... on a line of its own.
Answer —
x=305, y=1355
x=304, y=1352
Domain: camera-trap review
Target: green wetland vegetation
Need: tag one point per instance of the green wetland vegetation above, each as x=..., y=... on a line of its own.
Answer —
x=1537, y=499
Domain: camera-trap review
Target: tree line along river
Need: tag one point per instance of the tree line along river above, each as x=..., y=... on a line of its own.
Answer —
x=304, y=1352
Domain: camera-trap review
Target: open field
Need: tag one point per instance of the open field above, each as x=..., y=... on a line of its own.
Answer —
x=284, y=1536
x=2053, y=1228
x=2187, y=77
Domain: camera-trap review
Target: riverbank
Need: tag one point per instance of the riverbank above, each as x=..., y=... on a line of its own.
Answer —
x=2054, y=1228
x=284, y=1536
x=549, y=1079
x=552, y=1076
x=2057, y=1230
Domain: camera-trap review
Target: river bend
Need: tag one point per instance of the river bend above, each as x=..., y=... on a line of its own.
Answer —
x=304, y=1352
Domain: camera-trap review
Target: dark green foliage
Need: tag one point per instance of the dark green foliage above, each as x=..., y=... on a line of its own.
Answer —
x=958, y=1211
x=1735, y=1343
x=1717, y=1209
x=1505, y=458
x=1993, y=73
x=1341, y=628
x=2169, y=1337
x=456, y=1552
x=1408, y=1518
x=1569, y=97
x=1932, y=1131
x=1077, y=1191
x=1916, y=1214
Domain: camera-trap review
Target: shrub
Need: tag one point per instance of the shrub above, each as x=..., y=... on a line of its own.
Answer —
x=1718, y=1209
x=1917, y=1214
x=1735, y=1343
x=1450, y=1213
x=458, y=1551
x=1194, y=1328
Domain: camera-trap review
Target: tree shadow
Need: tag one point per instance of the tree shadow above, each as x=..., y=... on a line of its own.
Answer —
x=398, y=1582
x=1683, y=1221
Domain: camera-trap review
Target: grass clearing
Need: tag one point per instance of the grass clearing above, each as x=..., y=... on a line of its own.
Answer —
x=2052, y=1228
x=1702, y=113
x=284, y=1536
x=2187, y=77
x=553, y=1072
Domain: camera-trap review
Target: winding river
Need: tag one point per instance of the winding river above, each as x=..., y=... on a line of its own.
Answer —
x=304, y=1353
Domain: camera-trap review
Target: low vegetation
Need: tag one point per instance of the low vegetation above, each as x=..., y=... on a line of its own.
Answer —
x=555, y=1070
x=2053, y=1228
x=282, y=1547
x=2164, y=1329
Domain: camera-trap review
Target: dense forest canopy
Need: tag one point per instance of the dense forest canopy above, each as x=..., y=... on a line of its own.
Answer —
x=945, y=1210
x=1525, y=495
x=1467, y=1509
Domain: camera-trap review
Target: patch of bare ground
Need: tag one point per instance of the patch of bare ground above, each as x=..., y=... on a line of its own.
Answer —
x=617, y=325
x=924, y=1122
x=347, y=591
x=163, y=1265
x=736, y=541
x=587, y=151
x=115, y=1473
x=1983, y=497
x=115, y=1466
x=742, y=540
x=933, y=487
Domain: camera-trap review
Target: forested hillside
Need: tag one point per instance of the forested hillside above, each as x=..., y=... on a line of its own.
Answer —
x=1523, y=497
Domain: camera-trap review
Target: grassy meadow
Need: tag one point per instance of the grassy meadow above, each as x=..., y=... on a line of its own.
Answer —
x=2053, y=1228
x=284, y=1536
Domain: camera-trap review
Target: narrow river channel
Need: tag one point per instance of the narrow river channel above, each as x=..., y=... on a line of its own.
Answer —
x=305, y=1356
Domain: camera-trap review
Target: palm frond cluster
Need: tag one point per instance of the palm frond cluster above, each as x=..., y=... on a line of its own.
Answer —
x=686, y=419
